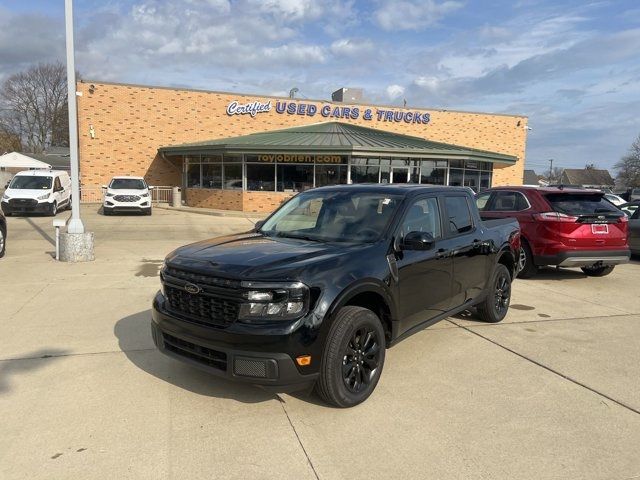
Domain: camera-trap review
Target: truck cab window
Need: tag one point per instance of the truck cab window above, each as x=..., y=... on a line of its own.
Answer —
x=423, y=216
x=458, y=214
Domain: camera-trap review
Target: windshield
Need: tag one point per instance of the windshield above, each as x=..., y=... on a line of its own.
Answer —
x=127, y=184
x=580, y=203
x=30, y=183
x=334, y=216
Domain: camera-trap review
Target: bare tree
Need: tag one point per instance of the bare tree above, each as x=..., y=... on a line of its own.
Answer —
x=554, y=175
x=34, y=107
x=629, y=166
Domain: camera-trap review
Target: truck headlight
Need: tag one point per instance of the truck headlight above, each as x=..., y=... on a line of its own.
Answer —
x=274, y=301
x=44, y=197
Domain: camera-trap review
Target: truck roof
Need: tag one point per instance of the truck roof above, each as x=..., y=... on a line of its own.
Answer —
x=394, y=188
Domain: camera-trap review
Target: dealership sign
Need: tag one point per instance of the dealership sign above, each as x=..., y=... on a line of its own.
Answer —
x=328, y=111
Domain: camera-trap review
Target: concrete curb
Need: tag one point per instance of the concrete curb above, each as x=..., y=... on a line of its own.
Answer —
x=215, y=213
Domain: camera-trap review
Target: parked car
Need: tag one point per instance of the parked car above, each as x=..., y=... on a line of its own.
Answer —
x=634, y=194
x=634, y=232
x=561, y=226
x=630, y=207
x=127, y=194
x=315, y=293
x=3, y=235
x=615, y=199
x=37, y=191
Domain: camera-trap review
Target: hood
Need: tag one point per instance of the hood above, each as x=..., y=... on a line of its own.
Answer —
x=26, y=193
x=252, y=255
x=126, y=191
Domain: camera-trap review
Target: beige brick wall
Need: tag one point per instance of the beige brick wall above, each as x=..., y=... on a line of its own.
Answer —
x=131, y=122
x=258, y=202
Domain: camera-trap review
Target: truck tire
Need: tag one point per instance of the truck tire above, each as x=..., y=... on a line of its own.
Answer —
x=598, y=271
x=527, y=268
x=496, y=304
x=353, y=358
x=3, y=241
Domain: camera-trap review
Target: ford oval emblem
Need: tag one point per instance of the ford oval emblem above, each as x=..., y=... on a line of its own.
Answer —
x=192, y=288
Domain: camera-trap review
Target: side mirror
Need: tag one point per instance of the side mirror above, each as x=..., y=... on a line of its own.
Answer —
x=259, y=224
x=104, y=187
x=151, y=188
x=418, y=241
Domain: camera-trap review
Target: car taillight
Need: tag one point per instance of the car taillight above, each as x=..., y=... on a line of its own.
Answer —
x=554, y=217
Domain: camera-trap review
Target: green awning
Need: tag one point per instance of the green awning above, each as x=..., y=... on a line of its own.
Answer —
x=336, y=138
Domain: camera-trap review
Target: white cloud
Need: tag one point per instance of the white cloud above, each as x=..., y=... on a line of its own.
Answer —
x=395, y=91
x=413, y=14
x=350, y=47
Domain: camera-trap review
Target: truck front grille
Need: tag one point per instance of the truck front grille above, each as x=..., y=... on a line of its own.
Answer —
x=202, y=307
x=198, y=353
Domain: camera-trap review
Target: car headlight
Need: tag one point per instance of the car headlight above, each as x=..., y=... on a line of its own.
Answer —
x=274, y=301
x=44, y=197
x=5, y=197
x=108, y=194
x=145, y=194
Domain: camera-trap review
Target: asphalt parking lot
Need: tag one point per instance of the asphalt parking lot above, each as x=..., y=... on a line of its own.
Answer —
x=553, y=392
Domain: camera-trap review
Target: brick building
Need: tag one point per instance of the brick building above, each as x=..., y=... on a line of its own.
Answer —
x=248, y=152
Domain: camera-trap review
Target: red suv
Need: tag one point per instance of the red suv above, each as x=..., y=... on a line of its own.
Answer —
x=567, y=227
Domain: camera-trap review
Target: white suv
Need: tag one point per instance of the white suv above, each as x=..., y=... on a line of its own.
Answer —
x=127, y=194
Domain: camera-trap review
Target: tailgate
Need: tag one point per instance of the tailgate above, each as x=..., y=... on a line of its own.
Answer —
x=587, y=220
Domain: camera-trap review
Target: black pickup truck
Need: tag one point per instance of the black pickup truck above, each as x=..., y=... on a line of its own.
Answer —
x=317, y=292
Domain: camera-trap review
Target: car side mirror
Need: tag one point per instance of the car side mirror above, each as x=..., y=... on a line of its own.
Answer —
x=104, y=187
x=151, y=188
x=258, y=225
x=418, y=241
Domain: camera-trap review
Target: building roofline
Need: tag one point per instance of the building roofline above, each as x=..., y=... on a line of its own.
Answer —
x=257, y=95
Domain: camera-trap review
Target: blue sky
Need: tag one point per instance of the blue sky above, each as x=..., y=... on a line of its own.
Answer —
x=573, y=67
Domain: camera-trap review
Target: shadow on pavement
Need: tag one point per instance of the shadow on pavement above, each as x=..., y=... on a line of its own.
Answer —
x=31, y=361
x=551, y=273
x=134, y=339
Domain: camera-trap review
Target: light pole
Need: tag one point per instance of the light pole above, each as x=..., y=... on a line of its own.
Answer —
x=75, y=224
x=550, y=169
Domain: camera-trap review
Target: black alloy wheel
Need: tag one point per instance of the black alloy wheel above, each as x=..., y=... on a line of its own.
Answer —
x=353, y=357
x=498, y=297
x=361, y=359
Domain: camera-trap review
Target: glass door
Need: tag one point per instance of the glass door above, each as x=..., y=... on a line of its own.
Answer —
x=399, y=175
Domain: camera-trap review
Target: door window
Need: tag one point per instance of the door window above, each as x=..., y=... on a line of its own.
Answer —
x=423, y=216
x=509, y=202
x=56, y=185
x=482, y=201
x=459, y=215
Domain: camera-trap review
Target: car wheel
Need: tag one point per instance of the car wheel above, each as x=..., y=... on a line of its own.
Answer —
x=496, y=304
x=353, y=358
x=525, y=263
x=598, y=271
x=53, y=209
x=3, y=241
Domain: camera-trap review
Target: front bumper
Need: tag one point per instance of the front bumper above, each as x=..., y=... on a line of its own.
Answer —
x=25, y=206
x=112, y=205
x=265, y=360
x=584, y=258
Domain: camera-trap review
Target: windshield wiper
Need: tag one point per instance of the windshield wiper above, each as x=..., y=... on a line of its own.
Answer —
x=300, y=237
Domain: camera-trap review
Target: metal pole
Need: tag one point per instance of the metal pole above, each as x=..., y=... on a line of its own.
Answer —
x=75, y=224
x=550, y=169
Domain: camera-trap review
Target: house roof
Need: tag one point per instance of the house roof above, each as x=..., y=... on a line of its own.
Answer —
x=586, y=176
x=337, y=138
x=58, y=157
x=18, y=160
